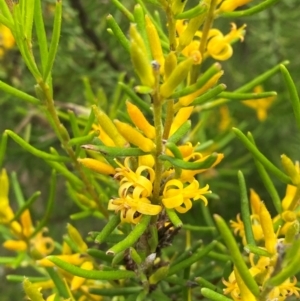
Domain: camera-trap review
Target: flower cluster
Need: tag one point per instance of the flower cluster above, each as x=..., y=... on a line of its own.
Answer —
x=25, y=237
x=276, y=244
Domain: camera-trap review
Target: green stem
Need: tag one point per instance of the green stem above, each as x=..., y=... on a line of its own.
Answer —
x=64, y=138
x=157, y=114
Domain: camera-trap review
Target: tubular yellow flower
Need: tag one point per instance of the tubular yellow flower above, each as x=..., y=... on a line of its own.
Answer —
x=290, y=169
x=155, y=44
x=255, y=202
x=289, y=196
x=7, y=40
x=181, y=117
x=262, y=105
x=97, y=166
x=103, y=136
x=134, y=137
x=176, y=196
x=140, y=121
x=267, y=227
x=231, y=5
x=15, y=245
x=131, y=209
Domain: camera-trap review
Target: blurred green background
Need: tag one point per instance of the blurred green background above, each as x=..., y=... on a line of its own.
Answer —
x=88, y=50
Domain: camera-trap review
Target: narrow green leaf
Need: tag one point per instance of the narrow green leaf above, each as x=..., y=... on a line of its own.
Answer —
x=117, y=31
x=209, y=95
x=245, y=96
x=28, y=18
x=114, y=151
x=84, y=139
x=194, y=12
x=76, y=182
x=26, y=205
x=236, y=255
x=108, y=228
x=116, y=291
x=294, y=97
x=175, y=220
x=3, y=145
x=208, y=162
x=41, y=33
x=212, y=295
x=192, y=259
x=15, y=92
x=261, y=158
x=35, y=151
x=250, y=11
x=5, y=11
x=88, y=274
x=54, y=41
x=245, y=210
x=17, y=190
x=132, y=237
x=124, y=10
x=60, y=285
x=135, y=98
x=267, y=181
x=50, y=205
x=180, y=132
x=257, y=250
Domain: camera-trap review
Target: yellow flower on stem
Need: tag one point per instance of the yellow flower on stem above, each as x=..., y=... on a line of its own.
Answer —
x=178, y=196
x=21, y=230
x=261, y=105
x=231, y=5
x=219, y=46
x=142, y=184
x=131, y=209
x=7, y=40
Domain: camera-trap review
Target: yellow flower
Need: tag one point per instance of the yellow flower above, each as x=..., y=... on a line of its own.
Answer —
x=261, y=105
x=178, y=196
x=141, y=180
x=231, y=5
x=7, y=40
x=219, y=46
x=21, y=230
x=132, y=208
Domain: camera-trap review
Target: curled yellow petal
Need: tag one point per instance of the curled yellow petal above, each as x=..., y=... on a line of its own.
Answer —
x=97, y=166
x=140, y=121
x=134, y=137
